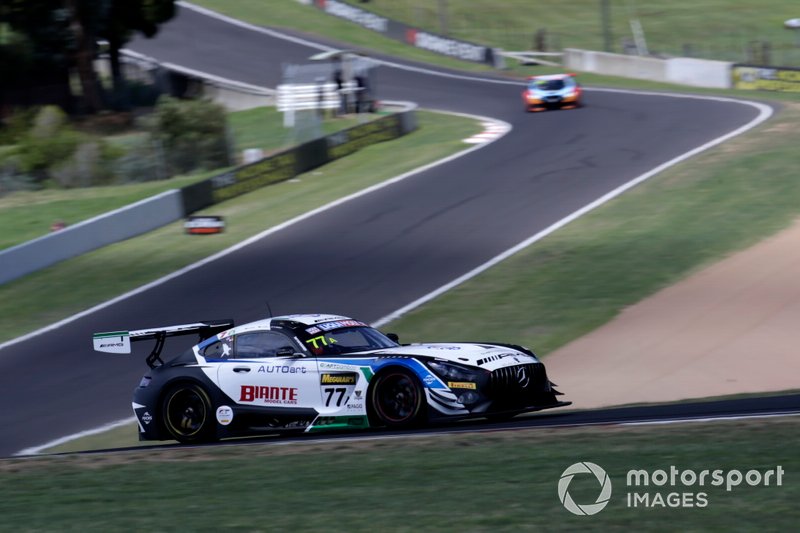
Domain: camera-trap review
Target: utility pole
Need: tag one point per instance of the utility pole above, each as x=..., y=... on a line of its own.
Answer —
x=605, y=16
x=443, y=17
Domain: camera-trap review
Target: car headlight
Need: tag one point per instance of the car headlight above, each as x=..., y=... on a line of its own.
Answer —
x=451, y=371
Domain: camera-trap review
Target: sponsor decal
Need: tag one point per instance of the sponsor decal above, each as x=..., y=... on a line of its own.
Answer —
x=147, y=417
x=112, y=344
x=429, y=379
x=462, y=385
x=445, y=46
x=355, y=406
x=766, y=78
x=278, y=369
x=358, y=394
x=353, y=14
x=313, y=330
x=224, y=415
x=497, y=358
x=334, y=366
x=440, y=347
x=339, y=379
x=273, y=395
x=327, y=326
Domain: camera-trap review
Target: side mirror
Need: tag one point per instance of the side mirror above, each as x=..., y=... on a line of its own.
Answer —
x=393, y=337
x=286, y=351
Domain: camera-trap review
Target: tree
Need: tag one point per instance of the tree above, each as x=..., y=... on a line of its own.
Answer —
x=124, y=18
x=62, y=34
x=81, y=15
x=35, y=53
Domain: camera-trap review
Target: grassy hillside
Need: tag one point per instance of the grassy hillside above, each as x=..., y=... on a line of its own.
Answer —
x=730, y=30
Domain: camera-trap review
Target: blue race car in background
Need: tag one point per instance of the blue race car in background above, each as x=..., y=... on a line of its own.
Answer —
x=314, y=372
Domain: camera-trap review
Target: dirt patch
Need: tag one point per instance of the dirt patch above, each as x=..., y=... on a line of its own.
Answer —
x=731, y=328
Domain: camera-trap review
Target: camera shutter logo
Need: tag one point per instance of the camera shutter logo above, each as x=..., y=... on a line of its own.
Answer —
x=584, y=468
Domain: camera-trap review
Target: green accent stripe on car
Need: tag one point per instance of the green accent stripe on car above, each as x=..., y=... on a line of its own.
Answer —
x=367, y=371
x=110, y=334
x=329, y=423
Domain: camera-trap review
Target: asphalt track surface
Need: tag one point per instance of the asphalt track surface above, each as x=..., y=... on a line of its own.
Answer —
x=718, y=410
x=369, y=256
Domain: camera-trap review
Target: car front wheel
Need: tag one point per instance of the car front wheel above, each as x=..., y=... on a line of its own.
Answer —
x=397, y=399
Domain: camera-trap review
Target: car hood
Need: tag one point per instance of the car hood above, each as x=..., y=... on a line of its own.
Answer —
x=486, y=356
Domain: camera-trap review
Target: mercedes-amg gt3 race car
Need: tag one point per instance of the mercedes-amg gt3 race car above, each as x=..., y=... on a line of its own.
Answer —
x=316, y=372
x=552, y=91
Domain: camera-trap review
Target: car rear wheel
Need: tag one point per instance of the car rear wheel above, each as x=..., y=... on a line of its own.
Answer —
x=186, y=413
x=397, y=399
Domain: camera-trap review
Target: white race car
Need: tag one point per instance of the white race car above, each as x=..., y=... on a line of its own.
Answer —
x=316, y=372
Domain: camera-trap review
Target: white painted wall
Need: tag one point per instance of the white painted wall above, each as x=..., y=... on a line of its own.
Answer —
x=679, y=70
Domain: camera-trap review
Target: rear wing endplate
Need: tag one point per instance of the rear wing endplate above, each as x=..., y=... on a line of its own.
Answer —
x=120, y=341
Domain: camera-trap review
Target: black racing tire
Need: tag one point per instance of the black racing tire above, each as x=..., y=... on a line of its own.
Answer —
x=186, y=413
x=397, y=399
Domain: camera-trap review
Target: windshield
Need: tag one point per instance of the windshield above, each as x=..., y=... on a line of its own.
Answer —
x=331, y=339
x=547, y=85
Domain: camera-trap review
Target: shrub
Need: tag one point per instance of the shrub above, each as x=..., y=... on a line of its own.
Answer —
x=192, y=133
x=140, y=162
x=14, y=127
x=91, y=164
x=50, y=141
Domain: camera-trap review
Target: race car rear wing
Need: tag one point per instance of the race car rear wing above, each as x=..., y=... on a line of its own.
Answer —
x=120, y=341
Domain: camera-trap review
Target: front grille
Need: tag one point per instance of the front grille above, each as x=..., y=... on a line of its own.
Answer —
x=518, y=380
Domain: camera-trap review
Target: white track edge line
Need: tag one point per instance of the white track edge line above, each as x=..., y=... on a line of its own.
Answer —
x=765, y=112
x=87, y=433
x=263, y=234
x=710, y=419
x=361, y=438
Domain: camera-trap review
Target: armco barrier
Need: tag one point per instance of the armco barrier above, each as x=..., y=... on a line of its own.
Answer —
x=296, y=160
x=124, y=223
x=152, y=213
x=414, y=36
x=680, y=70
x=766, y=78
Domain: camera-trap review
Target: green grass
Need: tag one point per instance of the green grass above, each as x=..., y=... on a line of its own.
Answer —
x=54, y=293
x=496, y=481
x=714, y=29
x=29, y=214
x=292, y=15
x=583, y=275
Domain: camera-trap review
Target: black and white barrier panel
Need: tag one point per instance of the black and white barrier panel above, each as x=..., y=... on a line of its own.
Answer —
x=761, y=78
x=171, y=206
x=408, y=34
x=297, y=160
